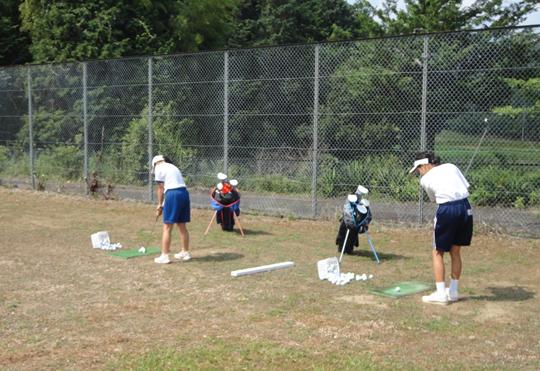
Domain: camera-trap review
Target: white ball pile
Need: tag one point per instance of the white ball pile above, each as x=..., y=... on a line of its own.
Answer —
x=108, y=246
x=345, y=278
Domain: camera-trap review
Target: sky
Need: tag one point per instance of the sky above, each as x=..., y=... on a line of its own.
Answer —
x=533, y=18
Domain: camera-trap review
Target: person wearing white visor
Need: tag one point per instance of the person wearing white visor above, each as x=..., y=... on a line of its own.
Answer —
x=453, y=223
x=174, y=204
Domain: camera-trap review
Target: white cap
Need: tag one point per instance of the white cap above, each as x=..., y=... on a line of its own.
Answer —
x=222, y=176
x=417, y=163
x=234, y=182
x=362, y=190
x=352, y=198
x=157, y=159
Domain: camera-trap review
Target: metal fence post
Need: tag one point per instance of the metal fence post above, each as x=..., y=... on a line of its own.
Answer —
x=150, y=131
x=425, y=57
x=315, y=133
x=30, y=129
x=85, y=126
x=225, y=111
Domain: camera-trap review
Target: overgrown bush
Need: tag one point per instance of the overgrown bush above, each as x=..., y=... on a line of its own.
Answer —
x=4, y=152
x=61, y=162
x=276, y=184
x=383, y=175
x=168, y=139
x=505, y=187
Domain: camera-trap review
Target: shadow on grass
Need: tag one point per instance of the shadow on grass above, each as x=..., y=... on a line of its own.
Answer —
x=218, y=257
x=256, y=232
x=247, y=232
x=510, y=293
x=382, y=256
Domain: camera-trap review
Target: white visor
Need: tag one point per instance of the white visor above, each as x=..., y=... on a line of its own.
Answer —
x=417, y=163
x=157, y=159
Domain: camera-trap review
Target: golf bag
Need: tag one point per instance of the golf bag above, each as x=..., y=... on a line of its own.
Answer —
x=225, y=204
x=354, y=221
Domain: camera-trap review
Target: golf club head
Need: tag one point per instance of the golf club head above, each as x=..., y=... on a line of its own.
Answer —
x=364, y=202
x=361, y=208
x=222, y=176
x=362, y=190
x=234, y=182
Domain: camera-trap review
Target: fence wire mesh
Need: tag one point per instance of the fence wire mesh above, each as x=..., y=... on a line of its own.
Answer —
x=300, y=126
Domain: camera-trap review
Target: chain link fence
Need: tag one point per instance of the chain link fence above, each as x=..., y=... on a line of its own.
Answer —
x=300, y=126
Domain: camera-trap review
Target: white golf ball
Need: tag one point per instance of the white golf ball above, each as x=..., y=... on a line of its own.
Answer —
x=370, y=276
x=398, y=289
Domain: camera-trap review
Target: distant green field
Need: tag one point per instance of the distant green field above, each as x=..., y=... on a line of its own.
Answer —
x=458, y=147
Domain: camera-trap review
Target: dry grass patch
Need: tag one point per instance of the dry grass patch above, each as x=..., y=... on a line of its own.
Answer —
x=66, y=305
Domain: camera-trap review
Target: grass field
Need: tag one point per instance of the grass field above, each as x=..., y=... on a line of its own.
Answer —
x=64, y=305
x=451, y=145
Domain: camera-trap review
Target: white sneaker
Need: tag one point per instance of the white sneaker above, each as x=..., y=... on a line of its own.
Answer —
x=452, y=296
x=435, y=298
x=183, y=255
x=162, y=259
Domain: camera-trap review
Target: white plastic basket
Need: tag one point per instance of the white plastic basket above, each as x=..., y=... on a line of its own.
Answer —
x=99, y=239
x=327, y=268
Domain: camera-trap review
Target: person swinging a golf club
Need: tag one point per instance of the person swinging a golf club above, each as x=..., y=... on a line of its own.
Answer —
x=174, y=204
x=453, y=223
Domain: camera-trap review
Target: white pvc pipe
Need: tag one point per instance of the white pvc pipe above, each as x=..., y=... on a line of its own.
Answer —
x=262, y=268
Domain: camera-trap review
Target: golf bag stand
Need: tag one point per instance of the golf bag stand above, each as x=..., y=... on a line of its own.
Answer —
x=352, y=225
x=372, y=247
x=226, y=210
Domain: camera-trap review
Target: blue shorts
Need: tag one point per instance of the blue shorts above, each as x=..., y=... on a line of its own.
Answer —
x=453, y=225
x=177, y=207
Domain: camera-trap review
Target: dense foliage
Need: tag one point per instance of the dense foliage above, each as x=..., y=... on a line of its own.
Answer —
x=369, y=96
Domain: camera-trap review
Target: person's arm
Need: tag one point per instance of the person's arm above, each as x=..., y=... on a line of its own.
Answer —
x=428, y=189
x=160, y=192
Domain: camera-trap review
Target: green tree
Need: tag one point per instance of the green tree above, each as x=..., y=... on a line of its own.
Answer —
x=523, y=113
x=169, y=139
x=271, y=22
x=13, y=42
x=76, y=30
x=451, y=15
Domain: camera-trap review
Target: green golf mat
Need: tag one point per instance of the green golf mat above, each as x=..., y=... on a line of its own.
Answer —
x=133, y=253
x=405, y=288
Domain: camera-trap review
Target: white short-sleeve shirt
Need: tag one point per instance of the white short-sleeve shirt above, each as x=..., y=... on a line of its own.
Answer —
x=170, y=175
x=445, y=183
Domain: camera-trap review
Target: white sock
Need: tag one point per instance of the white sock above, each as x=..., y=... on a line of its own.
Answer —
x=454, y=285
x=441, y=289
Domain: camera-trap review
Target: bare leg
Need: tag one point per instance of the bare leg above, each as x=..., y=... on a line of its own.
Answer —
x=166, y=239
x=438, y=265
x=455, y=255
x=184, y=234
